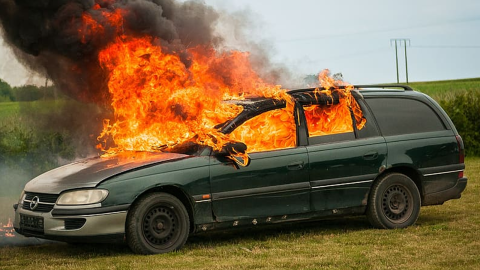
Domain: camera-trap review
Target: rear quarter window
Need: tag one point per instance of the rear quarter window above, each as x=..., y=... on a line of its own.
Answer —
x=397, y=116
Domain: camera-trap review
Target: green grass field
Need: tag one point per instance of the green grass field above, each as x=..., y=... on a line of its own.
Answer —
x=445, y=89
x=445, y=237
x=8, y=109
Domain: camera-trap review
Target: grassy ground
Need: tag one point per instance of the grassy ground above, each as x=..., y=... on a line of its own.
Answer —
x=8, y=109
x=445, y=237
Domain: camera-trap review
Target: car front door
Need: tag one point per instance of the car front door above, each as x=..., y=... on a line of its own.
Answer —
x=276, y=183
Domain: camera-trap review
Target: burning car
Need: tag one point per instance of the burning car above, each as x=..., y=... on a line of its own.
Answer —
x=384, y=154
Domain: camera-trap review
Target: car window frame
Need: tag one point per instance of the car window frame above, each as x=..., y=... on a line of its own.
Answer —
x=330, y=138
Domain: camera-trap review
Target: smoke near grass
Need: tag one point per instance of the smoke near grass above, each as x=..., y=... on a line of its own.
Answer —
x=36, y=137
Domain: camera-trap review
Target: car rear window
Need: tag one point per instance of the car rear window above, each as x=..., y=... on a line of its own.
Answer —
x=397, y=116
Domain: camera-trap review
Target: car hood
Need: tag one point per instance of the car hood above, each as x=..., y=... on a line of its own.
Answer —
x=90, y=172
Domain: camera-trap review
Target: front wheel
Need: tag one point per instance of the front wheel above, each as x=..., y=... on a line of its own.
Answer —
x=394, y=202
x=157, y=223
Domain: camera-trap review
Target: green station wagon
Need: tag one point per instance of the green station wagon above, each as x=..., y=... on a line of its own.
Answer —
x=407, y=154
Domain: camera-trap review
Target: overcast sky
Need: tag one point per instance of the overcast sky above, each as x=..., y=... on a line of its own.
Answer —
x=354, y=37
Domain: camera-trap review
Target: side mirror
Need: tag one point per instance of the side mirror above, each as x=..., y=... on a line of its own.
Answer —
x=237, y=152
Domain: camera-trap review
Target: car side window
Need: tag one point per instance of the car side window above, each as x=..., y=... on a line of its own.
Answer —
x=329, y=123
x=397, y=116
x=272, y=130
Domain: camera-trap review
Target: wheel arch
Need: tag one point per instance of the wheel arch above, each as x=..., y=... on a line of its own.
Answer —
x=412, y=173
x=178, y=193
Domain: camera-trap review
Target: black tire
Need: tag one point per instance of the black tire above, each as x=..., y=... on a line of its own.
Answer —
x=394, y=202
x=157, y=223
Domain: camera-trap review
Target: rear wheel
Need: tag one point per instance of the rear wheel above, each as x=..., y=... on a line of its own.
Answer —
x=394, y=202
x=157, y=223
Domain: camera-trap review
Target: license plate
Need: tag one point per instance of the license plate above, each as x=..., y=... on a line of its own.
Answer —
x=31, y=222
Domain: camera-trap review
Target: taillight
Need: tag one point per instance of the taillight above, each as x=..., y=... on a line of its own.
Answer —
x=461, y=153
x=461, y=149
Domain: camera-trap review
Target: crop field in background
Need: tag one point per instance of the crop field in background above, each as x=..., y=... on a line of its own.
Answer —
x=445, y=237
x=439, y=89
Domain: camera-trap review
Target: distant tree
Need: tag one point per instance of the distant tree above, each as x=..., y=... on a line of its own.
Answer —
x=48, y=92
x=338, y=77
x=311, y=80
x=27, y=93
x=6, y=93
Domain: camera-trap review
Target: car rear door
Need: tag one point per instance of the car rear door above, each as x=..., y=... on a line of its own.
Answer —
x=344, y=165
x=276, y=182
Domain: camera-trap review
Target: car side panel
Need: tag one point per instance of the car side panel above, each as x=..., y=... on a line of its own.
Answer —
x=190, y=175
x=275, y=183
x=423, y=139
x=342, y=173
x=433, y=154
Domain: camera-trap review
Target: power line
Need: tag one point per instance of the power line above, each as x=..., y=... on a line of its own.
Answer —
x=446, y=46
x=353, y=54
x=310, y=38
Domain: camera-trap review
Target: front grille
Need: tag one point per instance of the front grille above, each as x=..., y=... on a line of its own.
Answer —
x=47, y=198
x=45, y=201
x=74, y=223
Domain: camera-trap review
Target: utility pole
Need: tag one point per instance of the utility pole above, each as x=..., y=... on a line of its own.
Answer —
x=400, y=41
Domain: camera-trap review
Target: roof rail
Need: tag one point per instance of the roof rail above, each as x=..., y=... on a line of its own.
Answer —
x=404, y=87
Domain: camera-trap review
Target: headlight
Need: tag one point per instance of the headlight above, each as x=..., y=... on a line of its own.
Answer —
x=22, y=195
x=79, y=197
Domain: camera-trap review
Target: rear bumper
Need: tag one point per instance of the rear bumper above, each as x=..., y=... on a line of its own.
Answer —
x=454, y=192
x=94, y=228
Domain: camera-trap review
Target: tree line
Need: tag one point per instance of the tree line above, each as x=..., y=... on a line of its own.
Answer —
x=26, y=92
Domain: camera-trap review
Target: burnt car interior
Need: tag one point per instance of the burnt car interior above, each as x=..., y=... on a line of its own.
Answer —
x=308, y=104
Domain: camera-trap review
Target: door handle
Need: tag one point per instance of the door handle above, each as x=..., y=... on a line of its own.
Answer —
x=297, y=165
x=370, y=155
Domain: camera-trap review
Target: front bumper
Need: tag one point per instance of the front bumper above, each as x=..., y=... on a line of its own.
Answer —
x=81, y=227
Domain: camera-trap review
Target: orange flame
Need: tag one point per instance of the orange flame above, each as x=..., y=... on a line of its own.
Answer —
x=333, y=119
x=268, y=131
x=90, y=28
x=7, y=229
x=160, y=102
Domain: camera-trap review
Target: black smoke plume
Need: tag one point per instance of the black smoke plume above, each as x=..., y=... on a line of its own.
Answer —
x=46, y=33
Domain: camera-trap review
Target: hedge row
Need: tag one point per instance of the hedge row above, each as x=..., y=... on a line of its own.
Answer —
x=26, y=92
x=464, y=110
